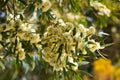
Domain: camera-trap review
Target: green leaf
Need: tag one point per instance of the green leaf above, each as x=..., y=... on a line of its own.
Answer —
x=60, y=51
x=86, y=73
x=109, y=44
x=21, y=17
x=84, y=63
x=103, y=22
x=23, y=1
x=2, y=43
x=32, y=65
x=71, y=64
x=6, y=44
x=90, y=52
x=29, y=10
x=65, y=74
x=76, y=47
x=25, y=66
x=2, y=66
x=102, y=33
x=39, y=13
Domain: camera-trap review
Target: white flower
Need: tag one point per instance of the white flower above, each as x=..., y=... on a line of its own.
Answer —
x=46, y=58
x=46, y=5
x=34, y=18
x=90, y=31
x=70, y=59
x=75, y=64
x=38, y=5
x=75, y=67
x=61, y=22
x=23, y=26
x=51, y=30
x=69, y=26
x=20, y=34
x=81, y=29
x=77, y=37
x=81, y=43
x=103, y=10
x=34, y=38
x=58, y=67
x=21, y=54
x=39, y=46
x=84, y=51
x=70, y=17
x=53, y=63
x=32, y=30
x=19, y=46
x=63, y=57
x=93, y=46
x=26, y=36
x=67, y=37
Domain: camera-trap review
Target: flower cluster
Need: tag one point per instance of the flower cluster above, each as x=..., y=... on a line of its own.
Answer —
x=15, y=33
x=102, y=9
x=62, y=42
x=19, y=50
x=27, y=32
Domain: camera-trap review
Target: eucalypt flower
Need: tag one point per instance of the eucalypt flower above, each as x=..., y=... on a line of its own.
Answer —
x=18, y=38
x=63, y=43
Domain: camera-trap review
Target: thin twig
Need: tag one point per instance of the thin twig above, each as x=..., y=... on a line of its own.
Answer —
x=14, y=9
